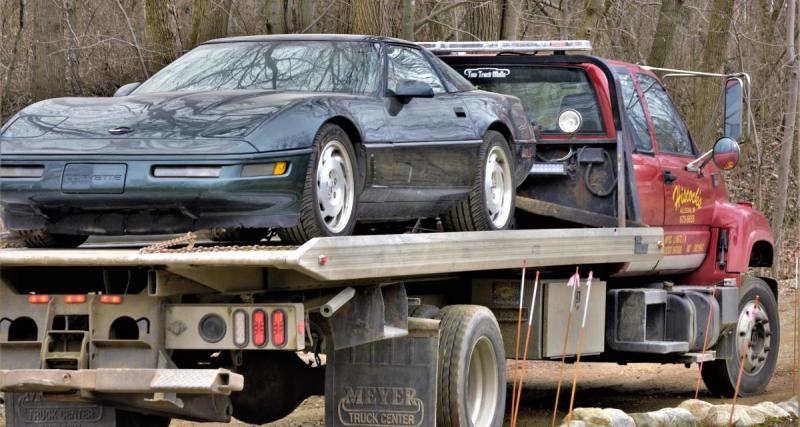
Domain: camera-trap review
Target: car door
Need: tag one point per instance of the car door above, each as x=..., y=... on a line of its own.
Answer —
x=433, y=139
x=688, y=196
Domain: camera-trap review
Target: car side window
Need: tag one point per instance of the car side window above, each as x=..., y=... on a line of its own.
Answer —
x=407, y=63
x=672, y=135
x=635, y=112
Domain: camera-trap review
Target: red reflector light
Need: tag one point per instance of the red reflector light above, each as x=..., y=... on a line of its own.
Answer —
x=38, y=299
x=110, y=299
x=74, y=299
x=278, y=328
x=259, y=328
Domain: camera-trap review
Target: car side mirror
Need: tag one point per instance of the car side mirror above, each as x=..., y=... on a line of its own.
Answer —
x=734, y=106
x=127, y=89
x=726, y=153
x=413, y=89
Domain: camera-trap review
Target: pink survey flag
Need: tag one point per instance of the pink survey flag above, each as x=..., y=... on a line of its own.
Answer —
x=575, y=280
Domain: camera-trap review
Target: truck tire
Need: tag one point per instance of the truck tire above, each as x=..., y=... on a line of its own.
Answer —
x=135, y=419
x=42, y=238
x=472, y=383
x=720, y=375
x=491, y=201
x=332, y=152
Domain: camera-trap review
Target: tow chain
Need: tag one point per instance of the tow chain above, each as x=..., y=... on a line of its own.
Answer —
x=189, y=241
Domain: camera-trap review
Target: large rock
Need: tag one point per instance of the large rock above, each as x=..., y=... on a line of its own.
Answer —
x=594, y=417
x=771, y=411
x=619, y=418
x=791, y=407
x=719, y=415
x=697, y=408
x=667, y=417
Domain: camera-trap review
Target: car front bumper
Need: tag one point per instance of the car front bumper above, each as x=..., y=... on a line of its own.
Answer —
x=117, y=195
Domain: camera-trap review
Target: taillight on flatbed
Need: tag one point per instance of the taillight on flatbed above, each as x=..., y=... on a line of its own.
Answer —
x=259, y=328
x=38, y=299
x=278, y=328
x=74, y=299
x=240, y=336
x=111, y=299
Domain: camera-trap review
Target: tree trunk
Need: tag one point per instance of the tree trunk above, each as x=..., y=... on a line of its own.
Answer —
x=707, y=93
x=510, y=25
x=73, y=54
x=160, y=40
x=12, y=66
x=668, y=21
x=367, y=17
x=48, y=63
x=305, y=15
x=276, y=16
x=209, y=20
x=407, y=20
x=593, y=13
x=482, y=20
x=787, y=143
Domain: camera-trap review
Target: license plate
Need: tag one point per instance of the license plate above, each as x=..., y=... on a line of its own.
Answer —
x=94, y=178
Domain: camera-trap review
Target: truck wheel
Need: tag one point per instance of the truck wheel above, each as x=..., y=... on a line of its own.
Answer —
x=329, y=202
x=490, y=204
x=42, y=238
x=472, y=382
x=135, y=419
x=765, y=334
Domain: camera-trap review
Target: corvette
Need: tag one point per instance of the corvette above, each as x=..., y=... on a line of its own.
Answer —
x=305, y=135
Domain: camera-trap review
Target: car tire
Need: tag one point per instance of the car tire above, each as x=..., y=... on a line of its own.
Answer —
x=720, y=375
x=470, y=346
x=237, y=235
x=491, y=201
x=329, y=203
x=42, y=238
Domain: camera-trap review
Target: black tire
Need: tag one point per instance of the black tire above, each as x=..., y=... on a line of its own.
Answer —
x=238, y=235
x=465, y=331
x=720, y=375
x=311, y=223
x=426, y=311
x=472, y=214
x=42, y=238
x=135, y=419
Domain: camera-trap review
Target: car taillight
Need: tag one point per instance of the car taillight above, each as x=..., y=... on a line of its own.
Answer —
x=74, y=299
x=110, y=299
x=259, y=328
x=38, y=299
x=240, y=328
x=278, y=328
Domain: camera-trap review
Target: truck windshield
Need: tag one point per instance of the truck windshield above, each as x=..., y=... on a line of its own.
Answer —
x=306, y=66
x=545, y=92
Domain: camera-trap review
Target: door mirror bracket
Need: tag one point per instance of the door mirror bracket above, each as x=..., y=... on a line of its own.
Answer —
x=725, y=155
x=408, y=89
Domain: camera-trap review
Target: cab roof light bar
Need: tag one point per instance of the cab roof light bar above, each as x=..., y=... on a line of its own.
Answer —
x=510, y=46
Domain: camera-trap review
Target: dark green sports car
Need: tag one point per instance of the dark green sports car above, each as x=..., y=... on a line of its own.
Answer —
x=301, y=134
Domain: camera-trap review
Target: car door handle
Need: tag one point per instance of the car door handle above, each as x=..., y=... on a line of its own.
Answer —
x=669, y=177
x=460, y=112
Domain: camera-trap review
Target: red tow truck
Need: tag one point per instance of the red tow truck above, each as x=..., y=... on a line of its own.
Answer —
x=415, y=327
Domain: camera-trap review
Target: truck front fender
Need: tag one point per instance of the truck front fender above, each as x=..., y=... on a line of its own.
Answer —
x=750, y=242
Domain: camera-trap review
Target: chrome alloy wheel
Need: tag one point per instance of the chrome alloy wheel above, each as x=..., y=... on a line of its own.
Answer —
x=482, y=387
x=498, y=188
x=335, y=189
x=756, y=328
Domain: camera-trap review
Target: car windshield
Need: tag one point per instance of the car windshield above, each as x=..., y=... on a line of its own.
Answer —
x=306, y=66
x=544, y=91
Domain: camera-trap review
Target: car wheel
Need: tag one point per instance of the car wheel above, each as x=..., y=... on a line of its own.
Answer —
x=238, y=235
x=330, y=198
x=490, y=204
x=42, y=238
x=764, y=333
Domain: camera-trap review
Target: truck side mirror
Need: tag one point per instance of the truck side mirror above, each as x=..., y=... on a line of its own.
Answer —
x=726, y=153
x=734, y=105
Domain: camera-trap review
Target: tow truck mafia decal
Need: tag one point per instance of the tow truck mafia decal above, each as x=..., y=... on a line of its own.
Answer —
x=487, y=73
x=381, y=406
x=686, y=202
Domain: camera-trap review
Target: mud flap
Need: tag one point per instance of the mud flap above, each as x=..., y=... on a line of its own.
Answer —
x=385, y=383
x=31, y=409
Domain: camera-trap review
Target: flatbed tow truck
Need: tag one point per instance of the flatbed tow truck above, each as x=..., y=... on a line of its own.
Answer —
x=414, y=328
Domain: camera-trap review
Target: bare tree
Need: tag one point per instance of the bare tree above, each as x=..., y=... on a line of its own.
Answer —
x=275, y=10
x=407, y=19
x=48, y=59
x=593, y=14
x=367, y=16
x=669, y=18
x=160, y=40
x=12, y=63
x=482, y=20
x=209, y=20
x=510, y=24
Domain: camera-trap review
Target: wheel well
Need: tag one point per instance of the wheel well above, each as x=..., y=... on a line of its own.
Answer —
x=773, y=285
x=348, y=127
x=503, y=129
x=761, y=254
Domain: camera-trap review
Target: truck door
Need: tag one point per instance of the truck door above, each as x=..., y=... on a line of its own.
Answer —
x=688, y=201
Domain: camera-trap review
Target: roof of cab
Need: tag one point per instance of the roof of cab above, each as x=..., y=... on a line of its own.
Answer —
x=308, y=37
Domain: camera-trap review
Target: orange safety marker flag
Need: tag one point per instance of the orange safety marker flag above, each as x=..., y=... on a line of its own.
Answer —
x=574, y=282
x=751, y=317
x=519, y=331
x=515, y=415
x=705, y=347
x=580, y=346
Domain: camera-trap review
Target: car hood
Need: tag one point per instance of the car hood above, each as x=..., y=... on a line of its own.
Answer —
x=154, y=122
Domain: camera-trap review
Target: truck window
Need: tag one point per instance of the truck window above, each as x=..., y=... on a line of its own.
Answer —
x=635, y=112
x=671, y=133
x=545, y=92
